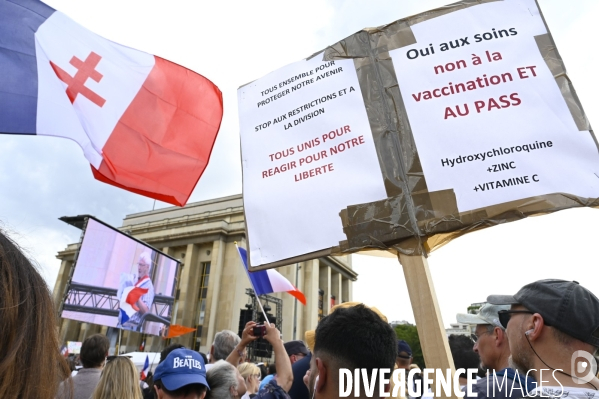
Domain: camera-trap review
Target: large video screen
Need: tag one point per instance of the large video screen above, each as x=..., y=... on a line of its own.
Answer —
x=121, y=282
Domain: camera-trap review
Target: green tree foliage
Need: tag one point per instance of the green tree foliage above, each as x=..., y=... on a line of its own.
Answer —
x=409, y=333
x=473, y=309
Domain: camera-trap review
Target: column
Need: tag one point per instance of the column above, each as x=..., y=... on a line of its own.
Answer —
x=188, y=292
x=347, y=292
x=288, y=303
x=324, y=282
x=61, y=283
x=310, y=311
x=336, y=288
x=297, y=309
x=216, y=268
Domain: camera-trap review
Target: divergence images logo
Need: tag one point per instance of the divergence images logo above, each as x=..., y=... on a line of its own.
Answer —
x=583, y=366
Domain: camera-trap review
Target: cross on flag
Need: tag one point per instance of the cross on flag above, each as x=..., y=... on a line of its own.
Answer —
x=76, y=84
x=144, y=123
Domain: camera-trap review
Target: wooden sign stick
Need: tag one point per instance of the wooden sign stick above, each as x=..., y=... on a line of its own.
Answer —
x=429, y=323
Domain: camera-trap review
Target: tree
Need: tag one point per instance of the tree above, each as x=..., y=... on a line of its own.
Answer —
x=409, y=333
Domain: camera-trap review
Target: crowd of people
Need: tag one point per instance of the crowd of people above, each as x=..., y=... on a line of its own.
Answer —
x=543, y=327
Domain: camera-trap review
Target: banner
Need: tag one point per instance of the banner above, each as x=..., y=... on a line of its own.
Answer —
x=473, y=120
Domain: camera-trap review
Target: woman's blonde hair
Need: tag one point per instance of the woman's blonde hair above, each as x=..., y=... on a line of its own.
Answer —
x=248, y=369
x=119, y=380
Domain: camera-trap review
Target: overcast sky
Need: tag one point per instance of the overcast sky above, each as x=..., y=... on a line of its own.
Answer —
x=235, y=42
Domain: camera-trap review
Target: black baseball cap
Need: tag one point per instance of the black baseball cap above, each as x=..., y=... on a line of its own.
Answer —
x=403, y=346
x=565, y=305
x=296, y=347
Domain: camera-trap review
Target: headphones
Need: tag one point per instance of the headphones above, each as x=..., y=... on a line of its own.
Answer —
x=529, y=332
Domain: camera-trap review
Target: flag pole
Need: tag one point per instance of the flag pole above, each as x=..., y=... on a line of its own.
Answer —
x=262, y=309
x=254, y=288
x=295, y=304
x=119, y=344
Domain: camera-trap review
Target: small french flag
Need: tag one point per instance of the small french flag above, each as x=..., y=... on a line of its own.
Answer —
x=269, y=281
x=146, y=369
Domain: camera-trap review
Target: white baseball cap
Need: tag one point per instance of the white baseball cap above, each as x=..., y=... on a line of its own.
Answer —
x=487, y=314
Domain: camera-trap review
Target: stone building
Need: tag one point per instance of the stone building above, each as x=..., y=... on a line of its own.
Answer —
x=211, y=287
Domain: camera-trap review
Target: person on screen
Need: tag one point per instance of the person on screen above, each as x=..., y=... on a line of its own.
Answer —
x=143, y=286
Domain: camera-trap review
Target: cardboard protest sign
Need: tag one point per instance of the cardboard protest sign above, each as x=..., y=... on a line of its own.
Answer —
x=488, y=118
x=304, y=128
x=474, y=121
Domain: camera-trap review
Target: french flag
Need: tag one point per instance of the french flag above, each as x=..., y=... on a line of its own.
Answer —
x=146, y=369
x=269, y=281
x=144, y=123
x=128, y=305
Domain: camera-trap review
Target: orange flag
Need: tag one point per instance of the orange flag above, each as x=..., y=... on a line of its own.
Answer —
x=176, y=330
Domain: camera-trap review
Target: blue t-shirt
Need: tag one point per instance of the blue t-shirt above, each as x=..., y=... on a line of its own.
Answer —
x=266, y=380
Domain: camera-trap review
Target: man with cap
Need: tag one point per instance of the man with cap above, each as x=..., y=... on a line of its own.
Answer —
x=296, y=350
x=553, y=332
x=404, y=355
x=404, y=361
x=182, y=375
x=491, y=344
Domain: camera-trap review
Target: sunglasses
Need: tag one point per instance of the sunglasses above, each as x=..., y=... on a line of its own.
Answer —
x=506, y=315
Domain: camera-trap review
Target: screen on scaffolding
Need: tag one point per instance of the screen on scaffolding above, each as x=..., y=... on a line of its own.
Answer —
x=120, y=282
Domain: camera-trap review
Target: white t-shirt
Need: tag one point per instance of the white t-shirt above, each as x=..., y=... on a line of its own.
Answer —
x=564, y=392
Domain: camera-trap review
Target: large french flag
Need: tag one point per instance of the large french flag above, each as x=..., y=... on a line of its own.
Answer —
x=269, y=281
x=144, y=123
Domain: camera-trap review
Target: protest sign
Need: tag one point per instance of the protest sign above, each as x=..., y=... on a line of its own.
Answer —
x=486, y=113
x=74, y=347
x=307, y=151
x=473, y=120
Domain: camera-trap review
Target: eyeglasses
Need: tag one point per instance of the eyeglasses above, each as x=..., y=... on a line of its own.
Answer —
x=505, y=315
x=475, y=337
x=258, y=376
